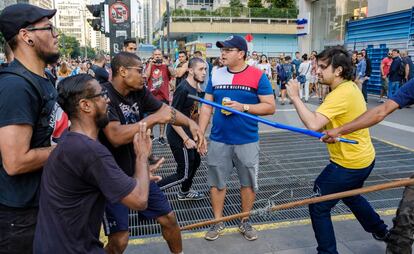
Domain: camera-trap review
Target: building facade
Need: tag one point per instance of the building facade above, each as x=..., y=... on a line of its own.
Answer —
x=328, y=18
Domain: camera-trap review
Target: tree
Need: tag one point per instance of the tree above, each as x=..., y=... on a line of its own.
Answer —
x=235, y=4
x=91, y=53
x=290, y=4
x=69, y=46
x=255, y=4
x=2, y=41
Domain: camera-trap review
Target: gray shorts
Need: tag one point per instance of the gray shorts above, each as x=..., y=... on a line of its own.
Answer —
x=221, y=158
x=384, y=84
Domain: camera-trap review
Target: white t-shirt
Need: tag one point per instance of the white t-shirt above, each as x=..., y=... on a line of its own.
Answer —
x=305, y=68
x=265, y=68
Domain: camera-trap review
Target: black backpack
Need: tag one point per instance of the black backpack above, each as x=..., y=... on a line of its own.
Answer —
x=47, y=101
x=401, y=68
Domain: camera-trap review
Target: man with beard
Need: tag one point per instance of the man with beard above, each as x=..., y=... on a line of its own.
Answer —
x=28, y=119
x=81, y=174
x=181, y=141
x=130, y=101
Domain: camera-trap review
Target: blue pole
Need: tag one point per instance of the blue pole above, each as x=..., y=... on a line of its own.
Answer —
x=270, y=123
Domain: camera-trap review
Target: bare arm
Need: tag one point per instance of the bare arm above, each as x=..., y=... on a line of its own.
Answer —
x=407, y=71
x=182, y=70
x=17, y=156
x=119, y=134
x=382, y=69
x=312, y=120
x=205, y=113
x=266, y=106
x=148, y=70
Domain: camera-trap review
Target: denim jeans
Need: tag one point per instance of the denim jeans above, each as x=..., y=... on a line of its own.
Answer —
x=365, y=90
x=333, y=179
x=393, y=88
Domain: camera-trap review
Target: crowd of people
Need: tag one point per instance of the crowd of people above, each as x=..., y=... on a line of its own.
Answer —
x=76, y=137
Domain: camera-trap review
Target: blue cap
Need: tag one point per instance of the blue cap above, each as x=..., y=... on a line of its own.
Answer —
x=233, y=41
x=18, y=16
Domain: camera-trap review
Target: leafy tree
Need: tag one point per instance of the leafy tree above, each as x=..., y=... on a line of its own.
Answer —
x=235, y=3
x=69, y=46
x=2, y=41
x=290, y=4
x=91, y=53
x=255, y=4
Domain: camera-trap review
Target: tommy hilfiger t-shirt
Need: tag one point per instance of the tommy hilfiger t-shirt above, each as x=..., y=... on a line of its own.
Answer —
x=243, y=87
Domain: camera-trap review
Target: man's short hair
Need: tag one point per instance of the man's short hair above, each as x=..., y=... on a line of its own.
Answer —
x=123, y=59
x=338, y=57
x=128, y=41
x=396, y=50
x=8, y=52
x=194, y=61
x=71, y=90
x=100, y=58
x=198, y=52
x=156, y=49
x=297, y=52
x=359, y=54
x=183, y=52
x=287, y=58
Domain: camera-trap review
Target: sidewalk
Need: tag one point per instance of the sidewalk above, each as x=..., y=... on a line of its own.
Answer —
x=287, y=239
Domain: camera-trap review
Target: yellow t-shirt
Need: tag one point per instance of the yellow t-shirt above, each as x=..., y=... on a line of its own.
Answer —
x=341, y=106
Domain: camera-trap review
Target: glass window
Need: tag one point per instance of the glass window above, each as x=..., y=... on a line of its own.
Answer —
x=329, y=19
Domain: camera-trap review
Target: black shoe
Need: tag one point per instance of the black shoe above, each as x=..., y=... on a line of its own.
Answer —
x=162, y=141
x=382, y=238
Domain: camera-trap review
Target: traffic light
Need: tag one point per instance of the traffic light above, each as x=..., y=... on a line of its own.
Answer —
x=95, y=24
x=97, y=10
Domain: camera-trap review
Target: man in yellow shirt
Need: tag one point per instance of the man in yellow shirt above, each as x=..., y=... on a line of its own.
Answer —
x=349, y=164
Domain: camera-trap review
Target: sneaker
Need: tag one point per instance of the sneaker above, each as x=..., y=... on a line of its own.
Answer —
x=152, y=159
x=320, y=100
x=191, y=195
x=161, y=141
x=380, y=101
x=247, y=230
x=215, y=231
x=382, y=238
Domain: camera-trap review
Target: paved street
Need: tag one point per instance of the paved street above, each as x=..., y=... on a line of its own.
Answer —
x=296, y=236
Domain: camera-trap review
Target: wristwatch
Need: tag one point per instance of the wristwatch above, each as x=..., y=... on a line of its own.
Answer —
x=246, y=108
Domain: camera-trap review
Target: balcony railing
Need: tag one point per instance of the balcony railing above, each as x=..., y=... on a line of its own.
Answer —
x=239, y=12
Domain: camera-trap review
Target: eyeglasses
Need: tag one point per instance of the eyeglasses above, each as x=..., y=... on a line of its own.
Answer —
x=227, y=50
x=103, y=93
x=323, y=67
x=52, y=29
x=139, y=69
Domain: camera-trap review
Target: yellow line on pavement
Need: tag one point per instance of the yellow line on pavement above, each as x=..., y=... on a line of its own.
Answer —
x=393, y=144
x=261, y=227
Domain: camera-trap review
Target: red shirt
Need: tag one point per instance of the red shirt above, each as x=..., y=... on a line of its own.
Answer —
x=158, y=82
x=386, y=62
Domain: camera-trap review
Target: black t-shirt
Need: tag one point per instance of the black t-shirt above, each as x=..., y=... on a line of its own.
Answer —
x=178, y=80
x=185, y=105
x=80, y=175
x=127, y=110
x=20, y=103
x=100, y=74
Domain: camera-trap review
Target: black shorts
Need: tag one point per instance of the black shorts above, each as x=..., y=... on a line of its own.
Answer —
x=116, y=215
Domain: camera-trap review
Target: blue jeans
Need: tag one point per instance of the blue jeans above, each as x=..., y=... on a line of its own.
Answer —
x=365, y=90
x=333, y=179
x=393, y=88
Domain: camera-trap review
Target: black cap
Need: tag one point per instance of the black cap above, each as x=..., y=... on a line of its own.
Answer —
x=233, y=41
x=18, y=16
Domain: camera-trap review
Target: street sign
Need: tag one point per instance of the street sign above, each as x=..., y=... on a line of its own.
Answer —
x=119, y=12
